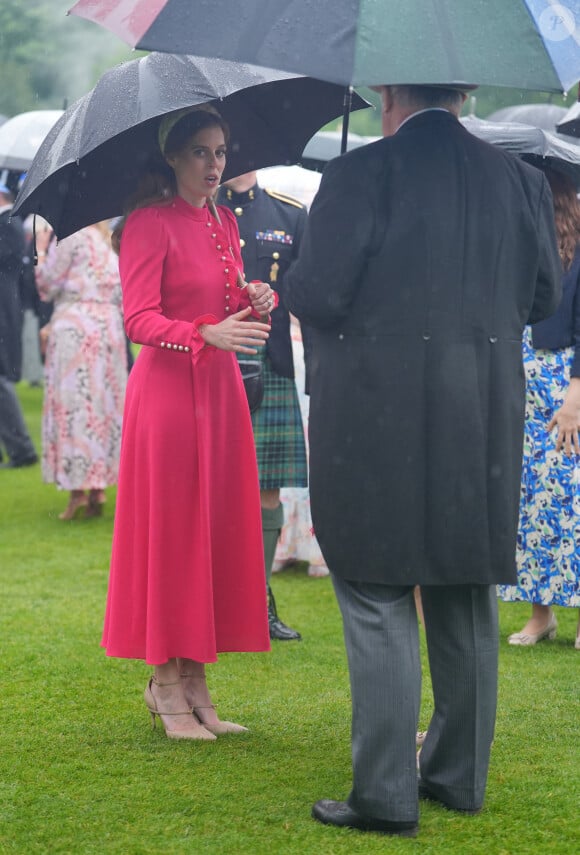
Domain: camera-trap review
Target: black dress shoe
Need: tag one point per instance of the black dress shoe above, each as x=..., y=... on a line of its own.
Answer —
x=18, y=464
x=278, y=630
x=426, y=795
x=340, y=814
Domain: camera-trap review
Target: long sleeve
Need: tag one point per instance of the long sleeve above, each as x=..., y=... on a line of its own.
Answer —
x=549, y=279
x=575, y=367
x=52, y=275
x=144, y=246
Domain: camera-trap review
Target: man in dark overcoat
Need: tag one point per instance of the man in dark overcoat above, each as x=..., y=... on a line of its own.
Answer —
x=425, y=255
x=14, y=436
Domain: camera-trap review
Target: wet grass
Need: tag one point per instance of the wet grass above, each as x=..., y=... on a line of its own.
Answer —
x=81, y=771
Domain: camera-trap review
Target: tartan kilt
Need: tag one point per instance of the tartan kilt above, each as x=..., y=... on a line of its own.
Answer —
x=279, y=433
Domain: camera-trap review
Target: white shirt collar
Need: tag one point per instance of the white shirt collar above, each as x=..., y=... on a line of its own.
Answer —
x=5, y=208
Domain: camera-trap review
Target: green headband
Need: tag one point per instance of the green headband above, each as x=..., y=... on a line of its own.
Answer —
x=171, y=119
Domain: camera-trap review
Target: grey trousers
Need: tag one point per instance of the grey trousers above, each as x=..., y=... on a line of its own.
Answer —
x=14, y=435
x=382, y=645
x=32, y=369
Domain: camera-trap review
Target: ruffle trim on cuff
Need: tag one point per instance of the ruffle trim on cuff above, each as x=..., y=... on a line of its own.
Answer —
x=198, y=343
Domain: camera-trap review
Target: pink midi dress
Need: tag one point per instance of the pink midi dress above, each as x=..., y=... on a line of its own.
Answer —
x=187, y=570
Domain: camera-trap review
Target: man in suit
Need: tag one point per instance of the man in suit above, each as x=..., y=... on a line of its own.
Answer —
x=271, y=225
x=14, y=435
x=425, y=255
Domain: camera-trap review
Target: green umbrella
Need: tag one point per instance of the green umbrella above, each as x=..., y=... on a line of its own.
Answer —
x=528, y=44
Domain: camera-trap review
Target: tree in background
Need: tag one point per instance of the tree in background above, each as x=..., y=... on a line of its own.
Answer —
x=48, y=60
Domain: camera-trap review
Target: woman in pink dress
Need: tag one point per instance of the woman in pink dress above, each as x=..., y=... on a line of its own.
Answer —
x=85, y=366
x=187, y=569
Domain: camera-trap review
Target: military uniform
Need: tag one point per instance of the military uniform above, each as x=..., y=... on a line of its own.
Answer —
x=271, y=226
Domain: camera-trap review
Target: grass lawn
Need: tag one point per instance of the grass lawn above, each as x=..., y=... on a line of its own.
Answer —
x=82, y=772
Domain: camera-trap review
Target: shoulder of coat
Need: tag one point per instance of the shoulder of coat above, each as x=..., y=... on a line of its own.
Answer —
x=281, y=197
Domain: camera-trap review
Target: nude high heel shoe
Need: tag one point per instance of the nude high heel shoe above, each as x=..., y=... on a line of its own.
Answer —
x=195, y=730
x=527, y=639
x=220, y=728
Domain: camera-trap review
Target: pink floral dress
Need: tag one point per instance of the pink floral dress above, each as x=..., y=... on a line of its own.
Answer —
x=86, y=363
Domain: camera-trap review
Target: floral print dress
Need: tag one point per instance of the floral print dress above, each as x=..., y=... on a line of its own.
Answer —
x=86, y=363
x=548, y=547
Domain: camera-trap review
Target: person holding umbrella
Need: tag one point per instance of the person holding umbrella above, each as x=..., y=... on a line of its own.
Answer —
x=187, y=567
x=424, y=256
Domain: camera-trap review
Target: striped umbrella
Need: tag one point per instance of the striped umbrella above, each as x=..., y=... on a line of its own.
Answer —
x=527, y=44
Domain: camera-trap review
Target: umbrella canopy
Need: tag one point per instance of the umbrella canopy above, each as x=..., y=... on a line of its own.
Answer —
x=21, y=136
x=539, y=147
x=324, y=146
x=92, y=159
x=545, y=116
x=570, y=122
x=528, y=44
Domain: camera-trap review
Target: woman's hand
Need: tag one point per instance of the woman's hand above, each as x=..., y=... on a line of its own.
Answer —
x=567, y=420
x=43, y=237
x=261, y=297
x=236, y=333
x=43, y=336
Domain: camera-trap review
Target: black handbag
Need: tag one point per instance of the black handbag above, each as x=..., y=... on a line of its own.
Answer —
x=253, y=378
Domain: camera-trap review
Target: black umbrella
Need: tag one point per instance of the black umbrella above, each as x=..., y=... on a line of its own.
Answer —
x=90, y=162
x=539, y=147
x=570, y=122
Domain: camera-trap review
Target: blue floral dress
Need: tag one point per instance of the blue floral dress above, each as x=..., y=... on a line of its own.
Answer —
x=548, y=547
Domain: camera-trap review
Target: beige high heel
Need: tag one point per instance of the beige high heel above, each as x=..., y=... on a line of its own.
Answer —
x=221, y=727
x=195, y=731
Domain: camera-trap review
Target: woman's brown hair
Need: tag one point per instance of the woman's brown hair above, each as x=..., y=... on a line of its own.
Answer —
x=157, y=184
x=566, y=213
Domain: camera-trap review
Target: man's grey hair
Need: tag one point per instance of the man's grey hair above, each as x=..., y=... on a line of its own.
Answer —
x=422, y=97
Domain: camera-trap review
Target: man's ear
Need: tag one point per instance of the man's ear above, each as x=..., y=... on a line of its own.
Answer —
x=387, y=99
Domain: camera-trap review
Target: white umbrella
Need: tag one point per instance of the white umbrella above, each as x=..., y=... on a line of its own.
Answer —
x=539, y=147
x=21, y=137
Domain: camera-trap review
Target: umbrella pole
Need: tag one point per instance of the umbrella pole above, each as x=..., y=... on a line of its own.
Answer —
x=215, y=213
x=347, y=104
x=34, y=250
x=241, y=283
